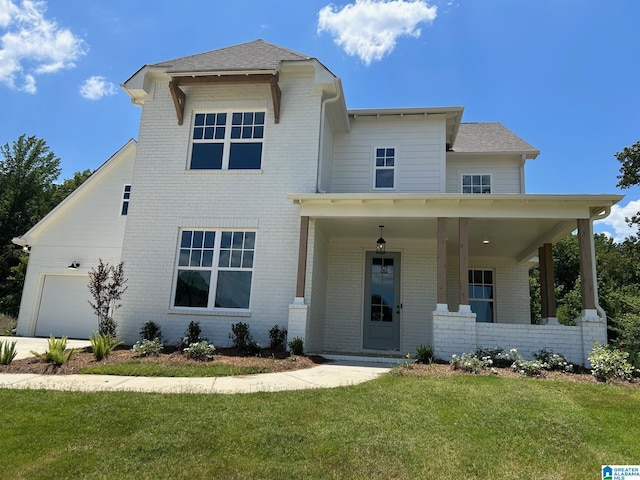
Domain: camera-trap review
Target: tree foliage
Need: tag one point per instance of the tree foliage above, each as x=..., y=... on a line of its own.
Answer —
x=28, y=172
x=629, y=159
x=106, y=285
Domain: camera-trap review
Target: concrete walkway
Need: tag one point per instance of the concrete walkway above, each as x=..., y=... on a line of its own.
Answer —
x=334, y=374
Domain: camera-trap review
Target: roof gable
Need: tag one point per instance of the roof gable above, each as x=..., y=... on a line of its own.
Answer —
x=490, y=137
x=250, y=56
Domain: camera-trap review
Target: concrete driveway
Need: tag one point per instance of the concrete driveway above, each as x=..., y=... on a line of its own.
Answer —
x=25, y=345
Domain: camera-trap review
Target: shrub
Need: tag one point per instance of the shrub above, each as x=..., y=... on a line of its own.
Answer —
x=609, y=363
x=192, y=335
x=498, y=356
x=528, y=368
x=242, y=339
x=106, y=285
x=296, y=346
x=7, y=352
x=102, y=344
x=148, y=347
x=553, y=361
x=277, y=337
x=151, y=331
x=55, y=352
x=470, y=362
x=202, y=351
x=425, y=354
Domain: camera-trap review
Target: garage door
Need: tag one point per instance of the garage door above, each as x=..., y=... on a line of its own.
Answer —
x=64, y=308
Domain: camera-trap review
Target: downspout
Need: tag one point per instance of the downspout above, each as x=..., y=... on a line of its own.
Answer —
x=600, y=216
x=323, y=108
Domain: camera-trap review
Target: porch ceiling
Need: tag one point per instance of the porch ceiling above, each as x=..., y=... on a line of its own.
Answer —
x=514, y=225
x=507, y=237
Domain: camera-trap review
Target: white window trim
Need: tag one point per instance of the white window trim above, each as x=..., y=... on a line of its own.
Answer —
x=495, y=295
x=490, y=175
x=376, y=168
x=227, y=141
x=124, y=200
x=213, y=285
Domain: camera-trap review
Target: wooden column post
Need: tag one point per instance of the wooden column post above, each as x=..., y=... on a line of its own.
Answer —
x=585, y=243
x=302, y=256
x=547, y=284
x=442, y=261
x=463, y=241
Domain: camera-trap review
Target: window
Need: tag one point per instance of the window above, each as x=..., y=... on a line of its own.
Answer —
x=214, y=269
x=385, y=167
x=481, y=294
x=125, y=200
x=223, y=141
x=476, y=183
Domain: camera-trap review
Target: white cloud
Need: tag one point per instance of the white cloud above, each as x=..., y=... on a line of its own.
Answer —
x=616, y=221
x=32, y=45
x=369, y=29
x=96, y=87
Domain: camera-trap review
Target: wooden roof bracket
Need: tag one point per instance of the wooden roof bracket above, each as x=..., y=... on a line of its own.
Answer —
x=179, y=99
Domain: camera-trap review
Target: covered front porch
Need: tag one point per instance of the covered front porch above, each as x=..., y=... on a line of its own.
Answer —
x=454, y=273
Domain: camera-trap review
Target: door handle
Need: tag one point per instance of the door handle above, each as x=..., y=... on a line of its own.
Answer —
x=398, y=308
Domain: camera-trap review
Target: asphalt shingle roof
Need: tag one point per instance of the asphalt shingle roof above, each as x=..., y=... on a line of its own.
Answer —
x=489, y=137
x=255, y=55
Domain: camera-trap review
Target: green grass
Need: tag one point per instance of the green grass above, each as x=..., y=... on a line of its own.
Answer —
x=140, y=368
x=400, y=427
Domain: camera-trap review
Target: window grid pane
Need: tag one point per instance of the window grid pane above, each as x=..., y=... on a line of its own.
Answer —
x=384, y=167
x=481, y=294
x=476, y=184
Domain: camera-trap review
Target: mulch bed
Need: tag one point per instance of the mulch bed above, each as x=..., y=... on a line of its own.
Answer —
x=275, y=361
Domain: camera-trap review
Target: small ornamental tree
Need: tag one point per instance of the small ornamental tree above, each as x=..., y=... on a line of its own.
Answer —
x=106, y=285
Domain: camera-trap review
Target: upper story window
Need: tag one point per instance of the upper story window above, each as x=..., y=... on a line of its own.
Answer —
x=126, y=195
x=227, y=141
x=481, y=294
x=476, y=183
x=384, y=166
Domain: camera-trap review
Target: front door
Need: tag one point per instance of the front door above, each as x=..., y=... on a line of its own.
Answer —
x=382, y=302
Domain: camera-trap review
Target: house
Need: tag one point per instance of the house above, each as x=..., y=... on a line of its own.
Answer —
x=254, y=195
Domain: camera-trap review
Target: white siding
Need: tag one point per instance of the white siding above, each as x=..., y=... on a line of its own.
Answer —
x=505, y=172
x=419, y=145
x=170, y=197
x=316, y=288
x=87, y=228
x=326, y=160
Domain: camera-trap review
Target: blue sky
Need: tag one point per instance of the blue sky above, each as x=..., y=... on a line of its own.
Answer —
x=562, y=74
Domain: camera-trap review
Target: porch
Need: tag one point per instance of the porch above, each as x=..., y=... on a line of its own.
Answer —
x=436, y=262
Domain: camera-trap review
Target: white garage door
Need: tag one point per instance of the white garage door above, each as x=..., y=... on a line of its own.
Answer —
x=64, y=308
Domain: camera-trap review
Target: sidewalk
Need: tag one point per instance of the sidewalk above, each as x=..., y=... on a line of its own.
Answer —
x=331, y=375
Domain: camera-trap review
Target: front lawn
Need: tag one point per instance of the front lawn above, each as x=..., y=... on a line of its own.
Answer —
x=399, y=426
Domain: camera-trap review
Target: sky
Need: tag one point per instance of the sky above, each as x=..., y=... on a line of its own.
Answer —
x=563, y=75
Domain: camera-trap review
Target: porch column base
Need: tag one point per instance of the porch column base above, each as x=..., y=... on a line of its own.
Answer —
x=454, y=333
x=297, y=325
x=550, y=321
x=442, y=307
x=593, y=328
x=465, y=309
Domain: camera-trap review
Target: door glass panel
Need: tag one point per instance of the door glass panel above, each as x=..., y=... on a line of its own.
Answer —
x=382, y=290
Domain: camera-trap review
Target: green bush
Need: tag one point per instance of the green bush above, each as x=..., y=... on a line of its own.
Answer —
x=148, y=347
x=498, y=356
x=192, y=335
x=102, y=344
x=528, y=368
x=470, y=362
x=277, y=337
x=296, y=346
x=553, y=361
x=609, y=363
x=242, y=340
x=151, y=331
x=55, y=352
x=425, y=354
x=200, y=351
x=7, y=352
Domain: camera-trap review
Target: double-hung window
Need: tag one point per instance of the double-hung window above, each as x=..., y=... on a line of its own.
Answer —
x=215, y=269
x=476, y=183
x=482, y=295
x=227, y=141
x=384, y=167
